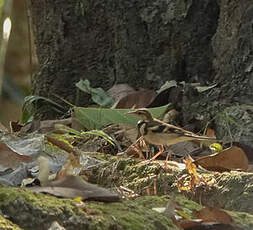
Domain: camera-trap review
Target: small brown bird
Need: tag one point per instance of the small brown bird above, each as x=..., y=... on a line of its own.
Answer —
x=157, y=132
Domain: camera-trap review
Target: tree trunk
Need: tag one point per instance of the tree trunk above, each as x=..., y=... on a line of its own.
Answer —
x=143, y=43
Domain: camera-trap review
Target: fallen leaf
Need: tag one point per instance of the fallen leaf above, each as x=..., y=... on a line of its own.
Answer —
x=247, y=149
x=167, y=85
x=232, y=158
x=188, y=182
x=98, y=95
x=211, y=214
x=170, y=116
x=15, y=126
x=11, y=159
x=95, y=118
x=30, y=127
x=138, y=99
x=189, y=224
x=60, y=143
x=119, y=91
x=28, y=145
x=161, y=99
x=212, y=226
x=202, y=89
x=183, y=149
x=210, y=132
x=74, y=186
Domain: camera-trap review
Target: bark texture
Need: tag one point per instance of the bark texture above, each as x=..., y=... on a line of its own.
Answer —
x=143, y=43
x=233, y=46
x=230, y=103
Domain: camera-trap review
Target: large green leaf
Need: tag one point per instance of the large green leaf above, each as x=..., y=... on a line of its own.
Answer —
x=95, y=118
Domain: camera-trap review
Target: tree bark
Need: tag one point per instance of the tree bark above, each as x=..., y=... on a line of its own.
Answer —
x=143, y=43
x=233, y=46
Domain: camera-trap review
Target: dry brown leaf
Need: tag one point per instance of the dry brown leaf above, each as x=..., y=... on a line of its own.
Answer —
x=138, y=99
x=74, y=186
x=247, y=149
x=188, y=182
x=60, y=144
x=232, y=158
x=44, y=126
x=170, y=116
x=189, y=225
x=210, y=132
x=15, y=126
x=192, y=170
x=67, y=169
x=211, y=214
x=119, y=91
x=11, y=159
x=73, y=159
x=30, y=127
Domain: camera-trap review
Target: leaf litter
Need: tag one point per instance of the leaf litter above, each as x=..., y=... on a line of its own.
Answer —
x=67, y=143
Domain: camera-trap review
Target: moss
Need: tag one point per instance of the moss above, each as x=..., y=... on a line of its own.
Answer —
x=7, y=225
x=242, y=218
x=134, y=215
x=45, y=202
x=38, y=211
x=136, y=176
x=184, y=202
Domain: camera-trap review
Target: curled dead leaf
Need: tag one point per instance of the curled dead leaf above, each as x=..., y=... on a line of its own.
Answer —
x=119, y=91
x=232, y=158
x=138, y=99
x=188, y=182
x=74, y=186
x=11, y=159
x=211, y=214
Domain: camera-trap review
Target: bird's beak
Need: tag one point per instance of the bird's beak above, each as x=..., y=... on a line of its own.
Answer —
x=131, y=112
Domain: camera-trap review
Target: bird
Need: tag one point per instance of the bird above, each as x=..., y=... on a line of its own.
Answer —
x=159, y=133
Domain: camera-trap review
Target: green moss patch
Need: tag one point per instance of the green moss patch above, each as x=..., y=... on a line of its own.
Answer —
x=7, y=225
x=38, y=211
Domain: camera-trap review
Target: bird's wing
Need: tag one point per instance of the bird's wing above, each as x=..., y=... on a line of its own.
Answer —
x=159, y=127
x=168, y=128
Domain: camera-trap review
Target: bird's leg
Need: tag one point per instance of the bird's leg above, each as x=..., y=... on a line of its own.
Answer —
x=137, y=147
x=161, y=150
x=166, y=159
x=144, y=145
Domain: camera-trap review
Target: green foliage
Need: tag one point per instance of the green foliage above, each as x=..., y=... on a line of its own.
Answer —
x=100, y=133
x=96, y=118
x=76, y=134
x=28, y=108
x=98, y=95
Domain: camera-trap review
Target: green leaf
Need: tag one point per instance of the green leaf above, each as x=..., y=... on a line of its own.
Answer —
x=77, y=134
x=96, y=118
x=100, y=133
x=202, y=89
x=28, y=107
x=98, y=95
